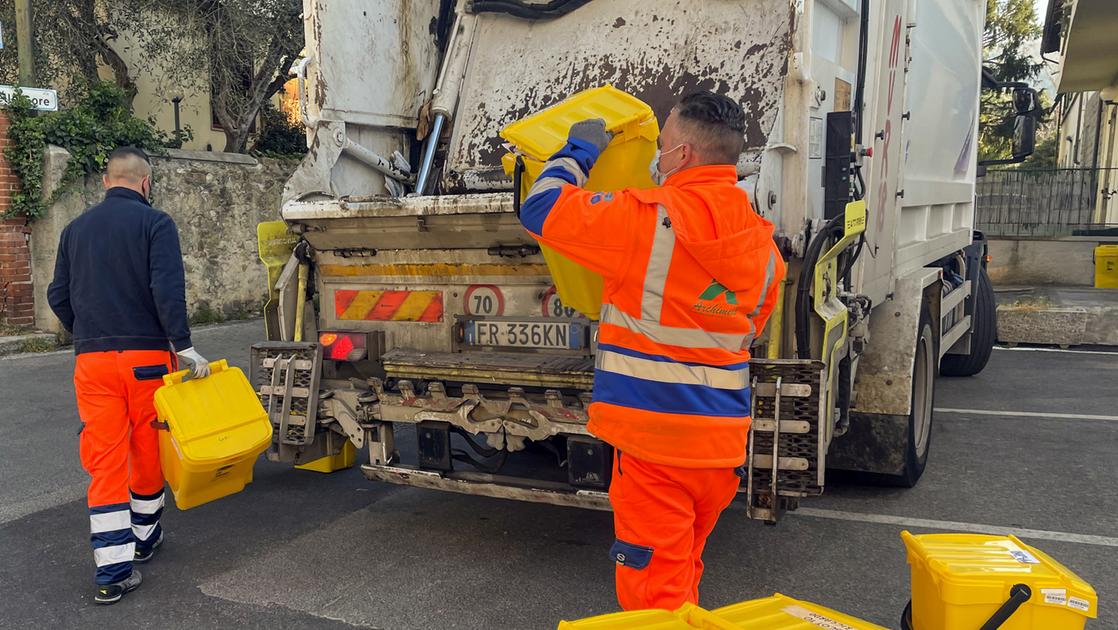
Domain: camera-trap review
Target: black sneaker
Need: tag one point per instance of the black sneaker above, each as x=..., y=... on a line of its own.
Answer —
x=111, y=593
x=143, y=555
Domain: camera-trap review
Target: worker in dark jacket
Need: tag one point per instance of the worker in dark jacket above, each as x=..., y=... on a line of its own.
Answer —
x=119, y=287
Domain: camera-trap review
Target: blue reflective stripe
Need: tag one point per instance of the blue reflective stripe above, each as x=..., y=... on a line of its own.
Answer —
x=535, y=209
x=146, y=519
x=585, y=153
x=104, y=509
x=109, y=539
x=558, y=172
x=145, y=497
x=695, y=400
x=660, y=357
x=113, y=573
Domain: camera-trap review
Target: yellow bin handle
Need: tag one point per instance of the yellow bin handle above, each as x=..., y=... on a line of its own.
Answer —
x=183, y=376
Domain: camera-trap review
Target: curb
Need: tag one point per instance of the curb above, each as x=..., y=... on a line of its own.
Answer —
x=22, y=344
x=1046, y=319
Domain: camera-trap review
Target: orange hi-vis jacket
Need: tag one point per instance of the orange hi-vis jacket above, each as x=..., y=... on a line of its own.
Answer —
x=691, y=275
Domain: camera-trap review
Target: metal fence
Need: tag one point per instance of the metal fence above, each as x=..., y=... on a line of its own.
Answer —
x=1048, y=202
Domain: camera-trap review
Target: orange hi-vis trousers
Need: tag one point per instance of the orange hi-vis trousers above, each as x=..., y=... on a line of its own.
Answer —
x=662, y=516
x=120, y=450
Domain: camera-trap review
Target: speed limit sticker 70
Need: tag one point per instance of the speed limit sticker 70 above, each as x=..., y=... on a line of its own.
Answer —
x=484, y=300
x=553, y=306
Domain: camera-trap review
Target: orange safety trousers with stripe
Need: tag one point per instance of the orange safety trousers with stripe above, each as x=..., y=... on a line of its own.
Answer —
x=119, y=448
x=662, y=517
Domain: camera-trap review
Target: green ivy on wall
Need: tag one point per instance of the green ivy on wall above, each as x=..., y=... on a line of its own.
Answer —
x=100, y=122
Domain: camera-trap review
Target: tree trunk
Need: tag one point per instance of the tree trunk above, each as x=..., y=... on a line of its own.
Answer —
x=119, y=68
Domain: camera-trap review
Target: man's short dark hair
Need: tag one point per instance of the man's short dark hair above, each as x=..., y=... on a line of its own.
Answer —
x=127, y=164
x=716, y=124
x=120, y=152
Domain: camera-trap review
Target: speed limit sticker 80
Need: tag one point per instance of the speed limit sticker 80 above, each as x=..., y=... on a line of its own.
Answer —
x=484, y=300
x=553, y=306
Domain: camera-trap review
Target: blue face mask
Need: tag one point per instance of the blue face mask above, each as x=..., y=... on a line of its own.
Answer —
x=654, y=167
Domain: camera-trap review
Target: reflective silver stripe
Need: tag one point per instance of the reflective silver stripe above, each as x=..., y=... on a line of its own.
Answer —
x=545, y=184
x=656, y=275
x=143, y=532
x=672, y=336
x=109, y=522
x=769, y=268
x=569, y=165
x=105, y=556
x=146, y=506
x=672, y=372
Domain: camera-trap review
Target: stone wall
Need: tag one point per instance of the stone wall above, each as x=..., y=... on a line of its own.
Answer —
x=1035, y=262
x=216, y=199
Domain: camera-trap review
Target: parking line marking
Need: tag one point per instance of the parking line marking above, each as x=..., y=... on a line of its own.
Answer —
x=1027, y=414
x=1062, y=350
x=977, y=528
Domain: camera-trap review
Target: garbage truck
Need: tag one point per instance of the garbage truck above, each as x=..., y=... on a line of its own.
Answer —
x=413, y=320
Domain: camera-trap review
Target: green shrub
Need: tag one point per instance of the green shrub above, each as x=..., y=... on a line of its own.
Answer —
x=101, y=121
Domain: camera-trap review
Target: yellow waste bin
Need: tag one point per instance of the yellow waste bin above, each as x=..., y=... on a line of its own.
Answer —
x=962, y=580
x=781, y=612
x=624, y=164
x=214, y=429
x=333, y=463
x=778, y=612
x=1106, y=267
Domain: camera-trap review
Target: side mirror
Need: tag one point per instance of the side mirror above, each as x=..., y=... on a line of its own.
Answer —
x=1026, y=106
x=1024, y=100
x=1024, y=136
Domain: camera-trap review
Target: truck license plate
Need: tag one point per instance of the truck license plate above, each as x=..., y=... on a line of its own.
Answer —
x=512, y=334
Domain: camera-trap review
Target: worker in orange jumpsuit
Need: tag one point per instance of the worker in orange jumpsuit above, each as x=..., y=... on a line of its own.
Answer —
x=691, y=275
x=119, y=288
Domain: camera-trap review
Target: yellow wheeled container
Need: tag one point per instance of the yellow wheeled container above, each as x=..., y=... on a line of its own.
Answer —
x=1106, y=267
x=962, y=581
x=214, y=429
x=333, y=463
x=624, y=164
x=778, y=612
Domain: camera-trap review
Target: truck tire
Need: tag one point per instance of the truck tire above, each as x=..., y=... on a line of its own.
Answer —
x=923, y=403
x=984, y=333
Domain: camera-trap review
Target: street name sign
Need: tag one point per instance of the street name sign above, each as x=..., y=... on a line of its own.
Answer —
x=41, y=99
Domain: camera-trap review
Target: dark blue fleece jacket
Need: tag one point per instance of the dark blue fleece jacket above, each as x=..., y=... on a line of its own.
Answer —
x=118, y=280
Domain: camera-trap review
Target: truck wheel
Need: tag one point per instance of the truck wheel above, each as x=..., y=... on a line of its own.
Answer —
x=923, y=403
x=983, y=335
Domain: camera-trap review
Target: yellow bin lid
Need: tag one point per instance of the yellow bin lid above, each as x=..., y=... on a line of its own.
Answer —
x=542, y=134
x=980, y=569
x=215, y=419
x=781, y=612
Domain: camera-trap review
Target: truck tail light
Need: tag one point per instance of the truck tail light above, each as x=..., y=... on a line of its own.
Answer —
x=344, y=346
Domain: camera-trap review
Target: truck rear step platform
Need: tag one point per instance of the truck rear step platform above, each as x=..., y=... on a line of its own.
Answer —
x=499, y=368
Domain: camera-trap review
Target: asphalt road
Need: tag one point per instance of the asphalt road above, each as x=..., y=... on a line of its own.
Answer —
x=298, y=549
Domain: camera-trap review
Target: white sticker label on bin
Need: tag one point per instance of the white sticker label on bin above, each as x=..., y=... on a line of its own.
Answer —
x=1023, y=556
x=1079, y=604
x=816, y=619
x=1058, y=596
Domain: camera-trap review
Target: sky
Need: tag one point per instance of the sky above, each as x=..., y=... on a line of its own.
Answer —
x=1045, y=80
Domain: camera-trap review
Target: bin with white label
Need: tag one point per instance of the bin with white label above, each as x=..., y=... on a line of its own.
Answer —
x=977, y=581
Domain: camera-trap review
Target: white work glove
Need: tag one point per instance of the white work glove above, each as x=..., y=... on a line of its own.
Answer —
x=199, y=366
